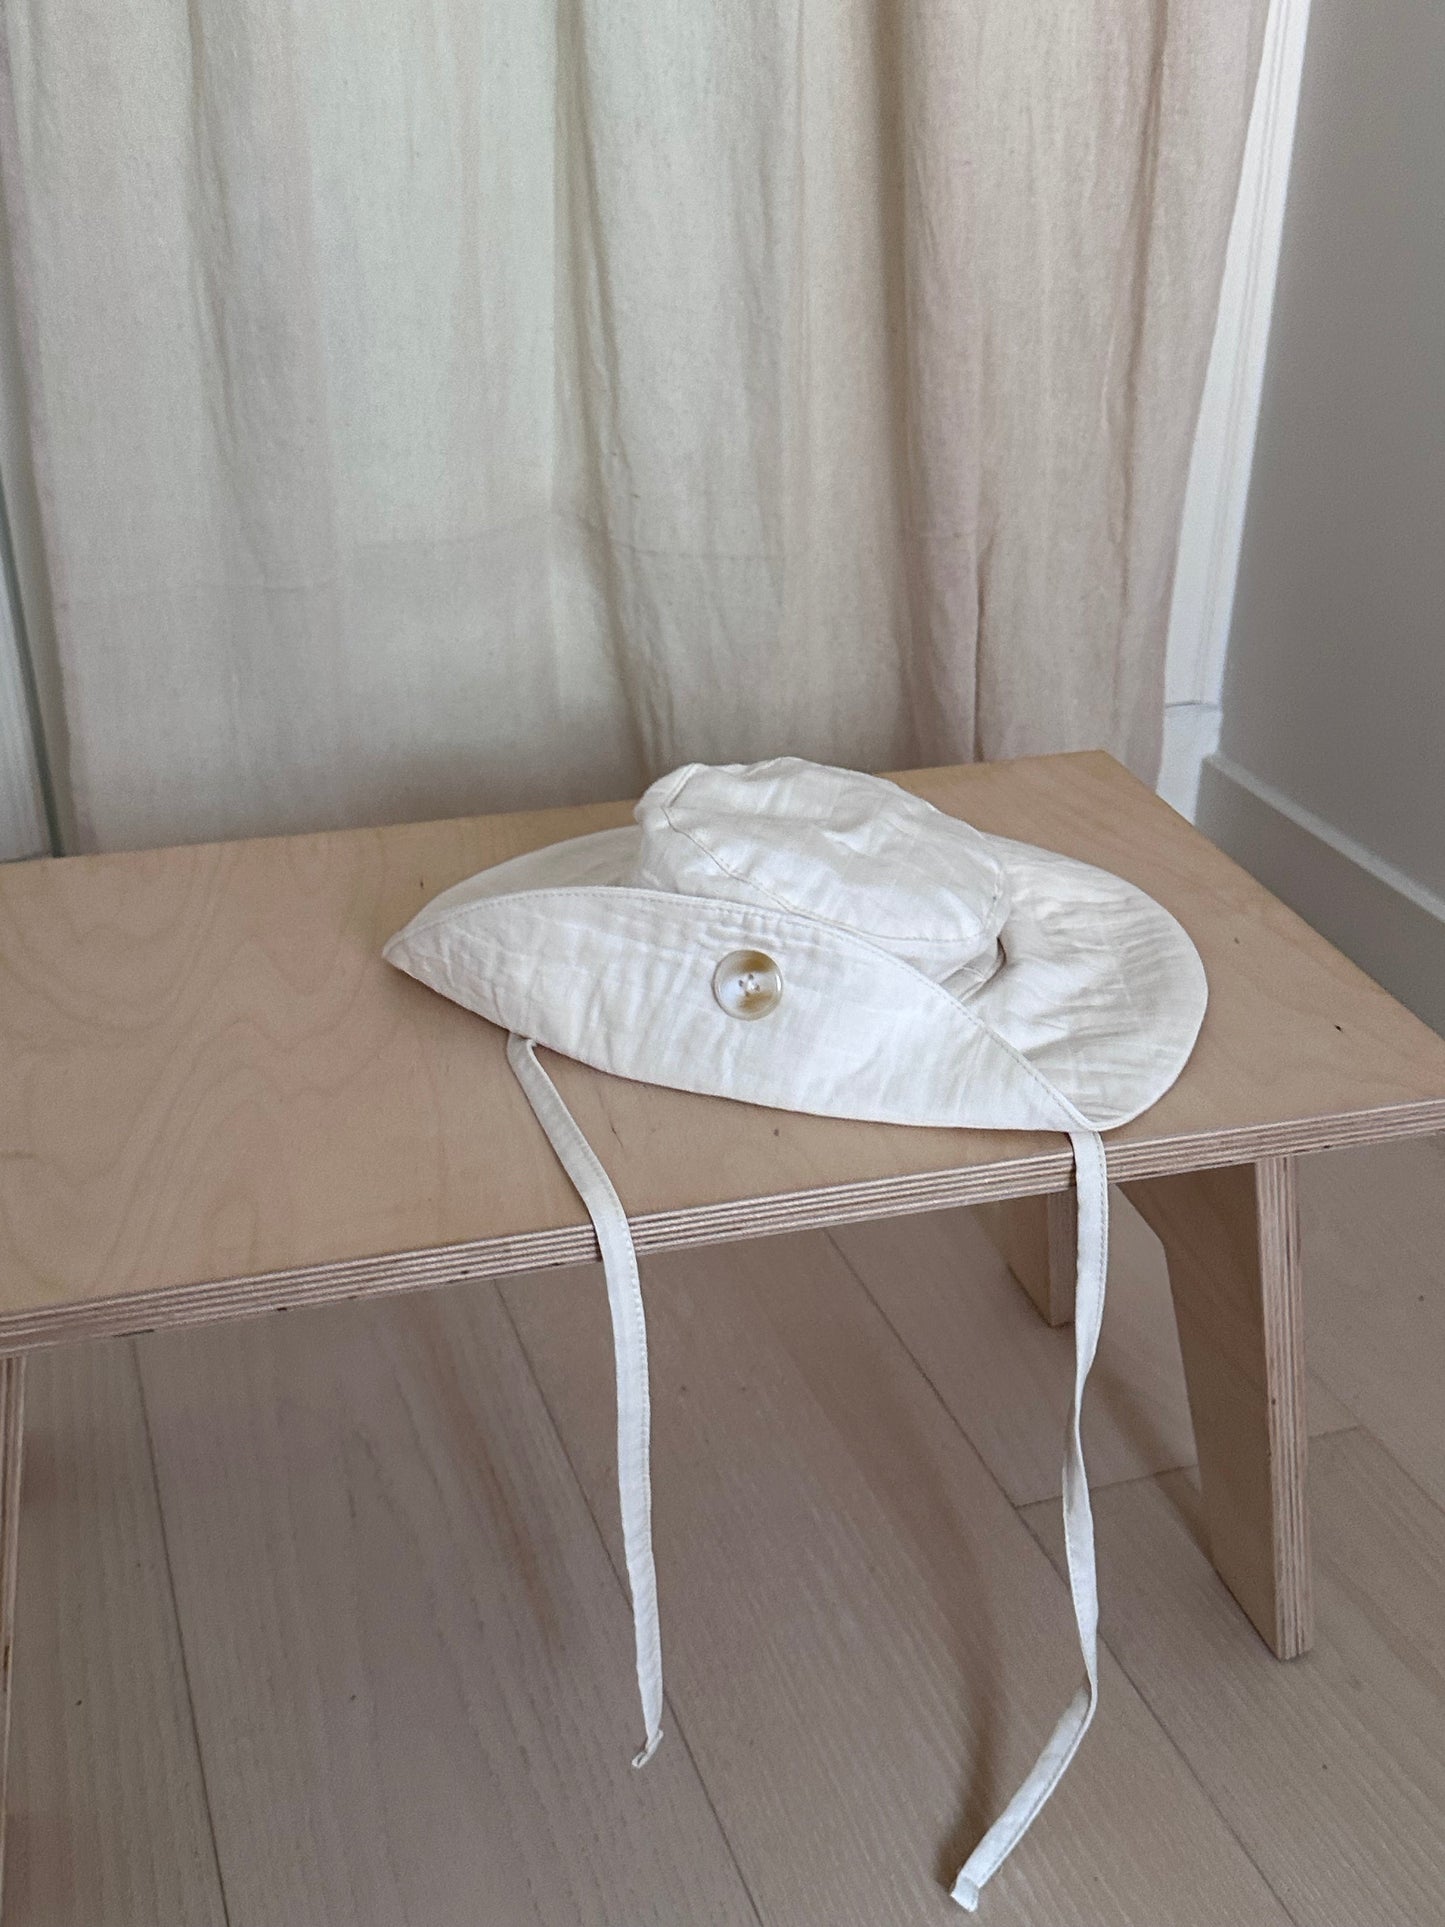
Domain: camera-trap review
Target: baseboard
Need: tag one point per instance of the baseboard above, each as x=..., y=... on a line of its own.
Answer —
x=1390, y=925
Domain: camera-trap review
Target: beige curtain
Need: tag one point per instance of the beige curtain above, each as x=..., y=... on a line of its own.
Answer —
x=478, y=403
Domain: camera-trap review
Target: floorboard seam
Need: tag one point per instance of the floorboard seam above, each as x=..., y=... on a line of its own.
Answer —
x=180, y=1629
x=1174, y=1746
x=923, y=1372
x=674, y=1718
x=1404, y=1471
x=1019, y=1512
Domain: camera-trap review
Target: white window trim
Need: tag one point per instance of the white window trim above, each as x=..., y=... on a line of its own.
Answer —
x=1215, y=499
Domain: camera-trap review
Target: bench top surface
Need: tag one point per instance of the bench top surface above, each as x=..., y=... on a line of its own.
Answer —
x=217, y=1097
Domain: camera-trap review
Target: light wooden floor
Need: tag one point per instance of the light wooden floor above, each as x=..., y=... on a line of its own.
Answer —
x=321, y=1622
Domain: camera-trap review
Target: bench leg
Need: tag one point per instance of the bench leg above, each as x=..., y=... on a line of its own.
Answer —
x=12, y=1438
x=1035, y=1238
x=1231, y=1237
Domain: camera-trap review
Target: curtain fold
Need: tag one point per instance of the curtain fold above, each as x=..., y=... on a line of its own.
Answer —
x=478, y=405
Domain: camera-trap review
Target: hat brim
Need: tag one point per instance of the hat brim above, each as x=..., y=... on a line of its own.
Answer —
x=1100, y=993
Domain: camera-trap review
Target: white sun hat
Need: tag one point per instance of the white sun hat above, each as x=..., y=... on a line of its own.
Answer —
x=822, y=941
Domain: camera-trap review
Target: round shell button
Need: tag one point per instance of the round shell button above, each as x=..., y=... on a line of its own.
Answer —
x=747, y=983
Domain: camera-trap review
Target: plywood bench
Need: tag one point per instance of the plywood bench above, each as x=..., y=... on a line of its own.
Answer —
x=218, y=1100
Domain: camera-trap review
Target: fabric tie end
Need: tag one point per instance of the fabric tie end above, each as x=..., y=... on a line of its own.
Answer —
x=966, y=1894
x=641, y=1759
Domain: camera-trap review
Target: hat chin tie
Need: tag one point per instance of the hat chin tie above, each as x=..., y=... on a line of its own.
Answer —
x=629, y=1347
x=1091, y=1177
x=634, y=1427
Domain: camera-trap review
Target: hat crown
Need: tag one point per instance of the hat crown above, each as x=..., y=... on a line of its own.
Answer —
x=851, y=850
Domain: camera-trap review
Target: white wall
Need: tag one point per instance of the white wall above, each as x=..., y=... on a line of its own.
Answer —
x=1329, y=781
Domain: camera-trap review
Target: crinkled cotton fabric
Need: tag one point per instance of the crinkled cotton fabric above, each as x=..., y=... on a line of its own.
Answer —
x=894, y=1008
x=818, y=940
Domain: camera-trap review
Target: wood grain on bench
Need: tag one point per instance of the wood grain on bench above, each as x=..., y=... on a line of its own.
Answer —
x=219, y=1099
